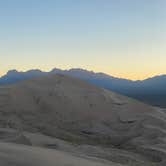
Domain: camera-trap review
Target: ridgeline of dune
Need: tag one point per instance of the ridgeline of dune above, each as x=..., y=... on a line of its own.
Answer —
x=80, y=118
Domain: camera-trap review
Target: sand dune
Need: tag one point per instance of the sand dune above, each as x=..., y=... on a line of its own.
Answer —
x=19, y=155
x=79, y=118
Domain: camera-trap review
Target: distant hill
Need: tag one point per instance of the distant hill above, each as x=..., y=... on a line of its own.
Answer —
x=151, y=90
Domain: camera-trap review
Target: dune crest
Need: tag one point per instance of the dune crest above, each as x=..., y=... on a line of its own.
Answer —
x=97, y=122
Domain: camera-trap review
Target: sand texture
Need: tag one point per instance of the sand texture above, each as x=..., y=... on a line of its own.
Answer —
x=58, y=120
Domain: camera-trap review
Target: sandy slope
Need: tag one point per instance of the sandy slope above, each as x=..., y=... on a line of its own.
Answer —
x=104, y=124
x=19, y=155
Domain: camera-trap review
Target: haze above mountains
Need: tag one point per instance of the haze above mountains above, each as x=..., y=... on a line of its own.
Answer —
x=151, y=90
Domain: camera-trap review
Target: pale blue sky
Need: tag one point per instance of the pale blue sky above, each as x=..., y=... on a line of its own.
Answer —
x=124, y=38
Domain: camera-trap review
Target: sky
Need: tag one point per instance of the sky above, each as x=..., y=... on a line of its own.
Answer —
x=123, y=38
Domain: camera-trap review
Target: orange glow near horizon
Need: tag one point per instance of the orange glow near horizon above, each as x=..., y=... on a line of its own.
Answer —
x=121, y=38
x=128, y=75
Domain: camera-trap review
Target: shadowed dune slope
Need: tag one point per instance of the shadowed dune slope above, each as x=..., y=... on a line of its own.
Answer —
x=80, y=113
x=19, y=155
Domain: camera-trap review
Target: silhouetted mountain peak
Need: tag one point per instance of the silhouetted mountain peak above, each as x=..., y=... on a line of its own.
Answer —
x=12, y=72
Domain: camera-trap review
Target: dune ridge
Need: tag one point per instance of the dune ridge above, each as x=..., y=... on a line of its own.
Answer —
x=73, y=116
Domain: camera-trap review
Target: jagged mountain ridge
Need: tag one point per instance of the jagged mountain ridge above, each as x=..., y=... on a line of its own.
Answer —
x=151, y=90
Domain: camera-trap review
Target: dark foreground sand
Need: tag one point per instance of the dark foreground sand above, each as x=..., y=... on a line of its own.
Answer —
x=22, y=155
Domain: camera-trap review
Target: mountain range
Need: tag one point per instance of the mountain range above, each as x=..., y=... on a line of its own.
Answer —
x=151, y=90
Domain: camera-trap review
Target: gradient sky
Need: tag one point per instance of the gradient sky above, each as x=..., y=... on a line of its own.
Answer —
x=124, y=38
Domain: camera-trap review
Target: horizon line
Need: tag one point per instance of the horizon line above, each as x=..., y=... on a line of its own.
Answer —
x=83, y=69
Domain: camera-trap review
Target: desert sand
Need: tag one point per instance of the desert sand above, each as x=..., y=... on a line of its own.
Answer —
x=63, y=121
x=19, y=155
